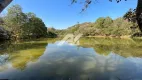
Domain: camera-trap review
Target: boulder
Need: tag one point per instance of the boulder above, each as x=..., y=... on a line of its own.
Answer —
x=4, y=34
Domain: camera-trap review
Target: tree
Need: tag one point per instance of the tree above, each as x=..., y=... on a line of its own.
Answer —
x=52, y=29
x=104, y=26
x=14, y=20
x=139, y=14
x=52, y=32
x=107, y=22
x=34, y=27
x=99, y=22
x=131, y=17
x=24, y=25
x=138, y=9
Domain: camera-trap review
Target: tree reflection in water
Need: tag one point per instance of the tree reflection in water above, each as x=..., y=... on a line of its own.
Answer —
x=93, y=59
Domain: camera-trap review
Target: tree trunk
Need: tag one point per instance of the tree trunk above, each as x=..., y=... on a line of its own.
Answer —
x=139, y=14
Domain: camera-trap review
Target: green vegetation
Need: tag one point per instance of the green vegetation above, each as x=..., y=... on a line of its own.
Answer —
x=125, y=27
x=137, y=11
x=105, y=26
x=52, y=32
x=21, y=53
x=20, y=25
x=106, y=46
x=24, y=25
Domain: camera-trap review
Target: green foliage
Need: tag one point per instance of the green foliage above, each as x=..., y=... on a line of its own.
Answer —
x=51, y=29
x=51, y=32
x=107, y=22
x=105, y=46
x=24, y=25
x=104, y=26
x=130, y=15
x=35, y=27
x=99, y=22
x=14, y=19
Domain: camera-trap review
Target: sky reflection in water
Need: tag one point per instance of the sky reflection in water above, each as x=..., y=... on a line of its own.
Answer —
x=48, y=61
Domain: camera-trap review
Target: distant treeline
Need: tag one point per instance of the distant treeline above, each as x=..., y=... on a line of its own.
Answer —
x=104, y=26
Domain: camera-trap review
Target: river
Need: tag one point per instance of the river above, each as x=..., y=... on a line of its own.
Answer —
x=90, y=59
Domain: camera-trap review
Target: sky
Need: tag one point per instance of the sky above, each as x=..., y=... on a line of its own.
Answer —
x=60, y=14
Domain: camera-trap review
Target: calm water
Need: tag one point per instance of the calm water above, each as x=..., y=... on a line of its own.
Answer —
x=92, y=59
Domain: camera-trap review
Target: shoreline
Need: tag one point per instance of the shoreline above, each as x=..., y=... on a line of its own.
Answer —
x=120, y=37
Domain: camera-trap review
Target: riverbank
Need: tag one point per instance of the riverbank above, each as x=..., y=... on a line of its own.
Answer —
x=121, y=37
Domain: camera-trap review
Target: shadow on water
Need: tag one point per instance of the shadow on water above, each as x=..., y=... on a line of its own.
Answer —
x=93, y=59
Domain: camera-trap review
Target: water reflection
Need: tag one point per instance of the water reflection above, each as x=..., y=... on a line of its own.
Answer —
x=45, y=60
x=123, y=47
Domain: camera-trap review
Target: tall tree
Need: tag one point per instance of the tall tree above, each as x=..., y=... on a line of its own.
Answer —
x=24, y=25
x=14, y=20
x=139, y=14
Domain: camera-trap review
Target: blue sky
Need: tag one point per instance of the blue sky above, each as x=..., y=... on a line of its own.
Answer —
x=60, y=14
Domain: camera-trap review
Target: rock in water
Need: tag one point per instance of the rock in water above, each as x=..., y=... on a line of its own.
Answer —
x=4, y=35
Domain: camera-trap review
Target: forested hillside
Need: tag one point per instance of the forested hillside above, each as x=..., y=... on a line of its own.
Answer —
x=104, y=26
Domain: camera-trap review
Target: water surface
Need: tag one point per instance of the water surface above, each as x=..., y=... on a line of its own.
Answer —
x=92, y=59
